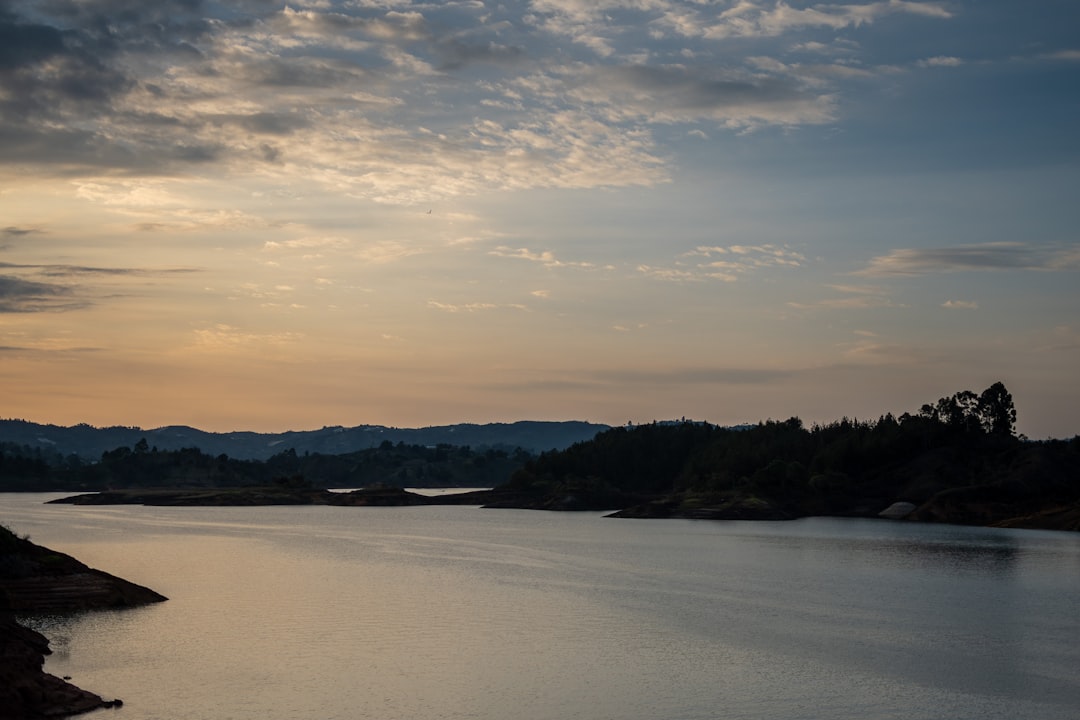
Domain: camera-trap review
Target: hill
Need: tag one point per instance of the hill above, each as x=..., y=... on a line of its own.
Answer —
x=957, y=461
x=88, y=442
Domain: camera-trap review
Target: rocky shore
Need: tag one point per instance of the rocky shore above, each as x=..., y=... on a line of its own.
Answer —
x=245, y=496
x=365, y=497
x=27, y=691
x=975, y=505
x=35, y=579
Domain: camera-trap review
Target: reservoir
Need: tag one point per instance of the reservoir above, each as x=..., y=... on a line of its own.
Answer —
x=456, y=613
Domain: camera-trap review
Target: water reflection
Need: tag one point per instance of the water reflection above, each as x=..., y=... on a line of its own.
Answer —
x=977, y=552
x=57, y=628
x=448, y=612
x=936, y=548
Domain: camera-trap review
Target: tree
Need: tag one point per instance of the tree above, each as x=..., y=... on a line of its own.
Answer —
x=997, y=414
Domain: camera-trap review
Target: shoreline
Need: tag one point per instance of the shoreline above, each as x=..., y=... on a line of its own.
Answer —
x=37, y=580
x=962, y=506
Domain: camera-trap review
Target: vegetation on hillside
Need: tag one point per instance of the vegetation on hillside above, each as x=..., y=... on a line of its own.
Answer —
x=963, y=445
x=30, y=469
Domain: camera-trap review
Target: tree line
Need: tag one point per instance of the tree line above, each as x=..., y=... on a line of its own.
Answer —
x=24, y=468
x=844, y=467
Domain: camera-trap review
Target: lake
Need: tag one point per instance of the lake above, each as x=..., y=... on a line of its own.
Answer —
x=457, y=612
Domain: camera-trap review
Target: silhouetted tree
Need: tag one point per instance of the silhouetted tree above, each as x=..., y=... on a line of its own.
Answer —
x=996, y=410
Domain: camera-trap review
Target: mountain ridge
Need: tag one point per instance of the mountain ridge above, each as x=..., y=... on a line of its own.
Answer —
x=89, y=442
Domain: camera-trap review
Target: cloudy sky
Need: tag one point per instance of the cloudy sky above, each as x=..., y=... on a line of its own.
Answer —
x=268, y=215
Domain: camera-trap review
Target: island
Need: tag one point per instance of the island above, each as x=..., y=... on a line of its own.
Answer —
x=35, y=579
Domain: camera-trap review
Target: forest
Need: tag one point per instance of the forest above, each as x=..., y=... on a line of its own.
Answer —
x=957, y=460
x=23, y=468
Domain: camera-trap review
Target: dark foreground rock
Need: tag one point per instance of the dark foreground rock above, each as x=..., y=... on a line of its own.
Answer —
x=26, y=690
x=35, y=579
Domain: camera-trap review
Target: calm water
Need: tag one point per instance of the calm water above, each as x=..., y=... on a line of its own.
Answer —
x=449, y=612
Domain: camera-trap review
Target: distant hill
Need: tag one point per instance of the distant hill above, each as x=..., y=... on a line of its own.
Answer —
x=90, y=442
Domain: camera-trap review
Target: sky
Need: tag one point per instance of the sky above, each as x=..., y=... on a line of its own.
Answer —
x=255, y=215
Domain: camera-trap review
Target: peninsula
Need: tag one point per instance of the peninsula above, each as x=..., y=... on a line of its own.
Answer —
x=35, y=579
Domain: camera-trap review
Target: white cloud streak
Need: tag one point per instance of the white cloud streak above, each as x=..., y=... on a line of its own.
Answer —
x=725, y=262
x=544, y=257
x=472, y=307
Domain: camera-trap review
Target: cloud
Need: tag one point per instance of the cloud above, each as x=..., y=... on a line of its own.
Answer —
x=960, y=305
x=1071, y=55
x=223, y=338
x=393, y=26
x=812, y=75
x=592, y=24
x=983, y=256
x=31, y=288
x=23, y=44
x=392, y=101
x=308, y=243
x=853, y=297
x=457, y=54
x=27, y=296
x=678, y=274
x=158, y=205
x=756, y=19
x=546, y=257
x=940, y=61
x=858, y=289
x=472, y=307
x=386, y=252
x=12, y=231
x=752, y=256
x=57, y=270
x=838, y=47
x=874, y=352
x=50, y=347
x=672, y=94
x=63, y=70
x=725, y=262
